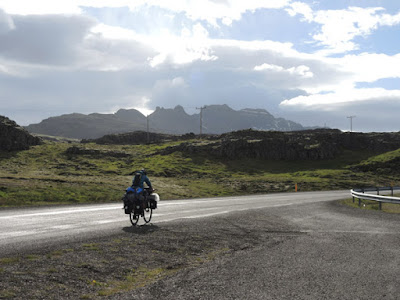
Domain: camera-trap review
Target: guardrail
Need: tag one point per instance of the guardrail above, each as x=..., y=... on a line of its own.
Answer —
x=363, y=194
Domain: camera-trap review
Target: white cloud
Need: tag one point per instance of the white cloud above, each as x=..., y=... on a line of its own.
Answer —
x=142, y=107
x=389, y=20
x=211, y=10
x=114, y=32
x=192, y=45
x=340, y=27
x=300, y=8
x=370, y=67
x=302, y=70
x=333, y=100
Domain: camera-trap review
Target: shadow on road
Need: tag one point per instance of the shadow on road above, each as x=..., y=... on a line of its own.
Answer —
x=142, y=229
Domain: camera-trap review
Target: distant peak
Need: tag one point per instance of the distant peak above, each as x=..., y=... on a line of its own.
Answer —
x=176, y=110
x=256, y=111
x=219, y=107
x=179, y=108
x=129, y=114
x=127, y=110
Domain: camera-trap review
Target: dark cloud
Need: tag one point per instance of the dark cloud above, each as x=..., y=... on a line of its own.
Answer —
x=202, y=84
x=45, y=39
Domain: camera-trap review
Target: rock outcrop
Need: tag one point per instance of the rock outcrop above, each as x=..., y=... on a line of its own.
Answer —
x=296, y=145
x=138, y=138
x=14, y=137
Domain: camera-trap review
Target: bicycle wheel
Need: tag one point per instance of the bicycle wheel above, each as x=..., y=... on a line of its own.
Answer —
x=147, y=213
x=134, y=218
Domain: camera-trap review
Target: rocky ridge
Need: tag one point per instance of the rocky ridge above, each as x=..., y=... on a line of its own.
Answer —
x=317, y=144
x=296, y=145
x=14, y=137
x=137, y=138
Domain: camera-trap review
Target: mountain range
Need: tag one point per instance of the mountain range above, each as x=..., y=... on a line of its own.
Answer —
x=216, y=119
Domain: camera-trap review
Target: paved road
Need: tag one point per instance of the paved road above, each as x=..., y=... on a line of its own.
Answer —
x=309, y=251
x=28, y=229
x=303, y=246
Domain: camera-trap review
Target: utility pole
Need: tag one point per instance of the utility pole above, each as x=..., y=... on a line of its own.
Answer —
x=351, y=122
x=148, y=132
x=201, y=118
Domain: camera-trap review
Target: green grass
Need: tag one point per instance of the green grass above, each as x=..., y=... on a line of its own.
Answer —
x=373, y=205
x=5, y=294
x=8, y=260
x=46, y=174
x=39, y=193
x=92, y=247
x=382, y=158
x=135, y=279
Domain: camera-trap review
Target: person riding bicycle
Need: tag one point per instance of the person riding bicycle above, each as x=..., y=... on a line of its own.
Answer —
x=140, y=178
x=138, y=184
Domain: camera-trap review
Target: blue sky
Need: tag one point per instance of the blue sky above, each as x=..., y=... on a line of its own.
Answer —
x=314, y=62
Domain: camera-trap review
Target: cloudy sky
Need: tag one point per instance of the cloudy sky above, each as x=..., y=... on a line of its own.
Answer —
x=314, y=62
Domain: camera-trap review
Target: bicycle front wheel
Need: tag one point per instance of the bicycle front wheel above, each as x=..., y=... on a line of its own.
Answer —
x=147, y=213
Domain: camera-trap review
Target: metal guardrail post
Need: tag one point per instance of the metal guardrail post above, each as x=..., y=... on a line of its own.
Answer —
x=365, y=193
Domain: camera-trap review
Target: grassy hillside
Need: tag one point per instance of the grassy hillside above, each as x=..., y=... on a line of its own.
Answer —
x=52, y=174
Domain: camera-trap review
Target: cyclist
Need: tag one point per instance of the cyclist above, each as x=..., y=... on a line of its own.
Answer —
x=138, y=186
x=139, y=179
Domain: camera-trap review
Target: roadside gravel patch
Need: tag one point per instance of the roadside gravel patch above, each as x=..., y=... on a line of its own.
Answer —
x=137, y=257
x=321, y=250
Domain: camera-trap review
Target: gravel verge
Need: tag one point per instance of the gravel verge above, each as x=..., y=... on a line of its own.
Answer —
x=139, y=256
x=322, y=250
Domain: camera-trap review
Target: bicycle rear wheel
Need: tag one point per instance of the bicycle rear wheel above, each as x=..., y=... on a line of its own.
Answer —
x=134, y=218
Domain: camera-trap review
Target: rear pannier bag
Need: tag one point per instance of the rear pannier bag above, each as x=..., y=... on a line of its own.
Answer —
x=129, y=200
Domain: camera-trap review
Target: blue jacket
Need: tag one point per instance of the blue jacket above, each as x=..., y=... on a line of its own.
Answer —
x=143, y=179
